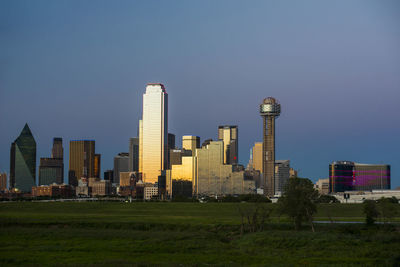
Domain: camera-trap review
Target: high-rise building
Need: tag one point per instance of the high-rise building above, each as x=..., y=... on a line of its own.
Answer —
x=322, y=185
x=190, y=142
x=3, y=181
x=108, y=175
x=51, y=170
x=171, y=141
x=97, y=165
x=282, y=174
x=229, y=135
x=216, y=178
x=23, y=161
x=121, y=164
x=257, y=156
x=154, y=132
x=81, y=160
x=134, y=154
x=269, y=110
x=57, y=152
x=349, y=176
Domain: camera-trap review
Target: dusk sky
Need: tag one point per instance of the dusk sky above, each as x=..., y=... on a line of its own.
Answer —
x=78, y=70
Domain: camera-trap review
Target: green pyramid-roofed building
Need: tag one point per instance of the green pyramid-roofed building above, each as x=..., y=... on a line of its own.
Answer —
x=23, y=161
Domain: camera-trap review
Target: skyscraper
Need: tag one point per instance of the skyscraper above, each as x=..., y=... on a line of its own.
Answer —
x=81, y=160
x=257, y=156
x=269, y=110
x=97, y=166
x=154, y=132
x=121, y=164
x=134, y=154
x=229, y=135
x=23, y=161
x=190, y=142
x=51, y=170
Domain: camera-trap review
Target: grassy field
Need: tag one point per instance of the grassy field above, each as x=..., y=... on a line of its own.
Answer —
x=106, y=233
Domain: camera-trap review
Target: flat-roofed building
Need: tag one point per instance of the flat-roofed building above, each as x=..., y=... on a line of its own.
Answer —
x=150, y=191
x=229, y=135
x=153, y=133
x=3, y=181
x=282, y=175
x=322, y=186
x=81, y=160
x=121, y=164
x=216, y=178
x=190, y=142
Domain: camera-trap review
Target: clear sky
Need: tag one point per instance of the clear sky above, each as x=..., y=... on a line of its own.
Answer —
x=78, y=69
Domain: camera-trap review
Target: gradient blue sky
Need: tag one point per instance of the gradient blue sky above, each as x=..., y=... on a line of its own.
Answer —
x=78, y=69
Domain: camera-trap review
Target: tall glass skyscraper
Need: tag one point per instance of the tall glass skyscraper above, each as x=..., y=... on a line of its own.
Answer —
x=154, y=133
x=23, y=161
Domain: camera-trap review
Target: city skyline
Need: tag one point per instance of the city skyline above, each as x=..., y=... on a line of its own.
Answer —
x=339, y=75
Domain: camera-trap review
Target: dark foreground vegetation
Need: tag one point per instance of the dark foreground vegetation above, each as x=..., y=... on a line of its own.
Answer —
x=112, y=233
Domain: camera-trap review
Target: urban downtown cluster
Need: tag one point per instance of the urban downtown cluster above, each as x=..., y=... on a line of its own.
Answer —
x=154, y=168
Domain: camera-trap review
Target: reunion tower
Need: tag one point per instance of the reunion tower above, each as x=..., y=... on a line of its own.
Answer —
x=269, y=110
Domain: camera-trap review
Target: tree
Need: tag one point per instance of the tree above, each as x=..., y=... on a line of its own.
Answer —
x=297, y=201
x=370, y=211
x=326, y=199
x=387, y=208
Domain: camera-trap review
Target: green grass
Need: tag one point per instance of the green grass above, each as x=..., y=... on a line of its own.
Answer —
x=106, y=233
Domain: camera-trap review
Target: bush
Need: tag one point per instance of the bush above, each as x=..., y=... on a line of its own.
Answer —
x=371, y=212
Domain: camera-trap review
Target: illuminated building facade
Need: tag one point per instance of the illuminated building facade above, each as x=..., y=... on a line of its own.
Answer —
x=351, y=176
x=190, y=142
x=229, y=135
x=154, y=133
x=81, y=160
x=97, y=165
x=23, y=161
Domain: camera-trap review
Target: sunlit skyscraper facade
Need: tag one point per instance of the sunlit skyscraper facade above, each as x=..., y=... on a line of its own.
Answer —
x=154, y=132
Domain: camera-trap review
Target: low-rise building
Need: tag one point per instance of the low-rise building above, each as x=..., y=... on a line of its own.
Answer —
x=322, y=186
x=150, y=191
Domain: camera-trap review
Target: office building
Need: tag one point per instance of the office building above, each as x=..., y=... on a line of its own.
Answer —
x=54, y=190
x=229, y=135
x=51, y=170
x=190, y=142
x=99, y=187
x=269, y=110
x=154, y=132
x=23, y=161
x=351, y=176
x=134, y=154
x=150, y=191
x=257, y=156
x=97, y=165
x=175, y=156
x=216, y=178
x=121, y=164
x=322, y=186
x=3, y=181
x=108, y=175
x=181, y=175
x=171, y=141
x=370, y=177
x=282, y=175
x=81, y=160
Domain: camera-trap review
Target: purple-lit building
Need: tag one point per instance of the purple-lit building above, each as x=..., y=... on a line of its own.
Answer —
x=351, y=176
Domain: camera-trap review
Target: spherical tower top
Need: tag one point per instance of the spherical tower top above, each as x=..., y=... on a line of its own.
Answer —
x=270, y=107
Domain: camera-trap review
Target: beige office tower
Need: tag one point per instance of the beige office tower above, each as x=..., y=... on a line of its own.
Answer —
x=229, y=135
x=257, y=156
x=190, y=142
x=97, y=165
x=3, y=181
x=81, y=160
x=269, y=110
x=154, y=132
x=216, y=178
